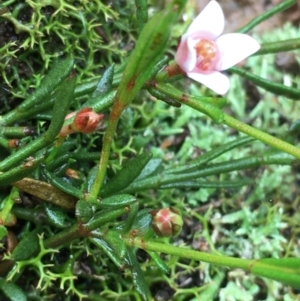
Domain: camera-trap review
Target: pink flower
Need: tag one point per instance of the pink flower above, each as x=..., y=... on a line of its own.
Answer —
x=203, y=52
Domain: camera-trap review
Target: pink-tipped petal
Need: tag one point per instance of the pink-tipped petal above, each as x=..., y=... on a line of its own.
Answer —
x=214, y=80
x=234, y=47
x=210, y=21
x=185, y=56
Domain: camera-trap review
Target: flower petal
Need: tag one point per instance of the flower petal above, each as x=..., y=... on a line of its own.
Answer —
x=185, y=56
x=214, y=80
x=235, y=47
x=210, y=21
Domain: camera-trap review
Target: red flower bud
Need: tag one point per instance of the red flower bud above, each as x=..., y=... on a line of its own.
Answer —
x=86, y=121
x=167, y=222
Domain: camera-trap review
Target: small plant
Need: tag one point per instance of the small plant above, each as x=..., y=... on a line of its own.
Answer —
x=89, y=158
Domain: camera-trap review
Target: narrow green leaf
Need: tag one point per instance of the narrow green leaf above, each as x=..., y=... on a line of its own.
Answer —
x=27, y=246
x=131, y=216
x=61, y=106
x=51, y=81
x=142, y=223
x=151, y=168
x=275, y=10
x=40, y=108
x=56, y=216
x=268, y=85
x=104, y=216
x=62, y=185
x=84, y=211
x=137, y=275
x=206, y=184
x=279, y=46
x=117, y=201
x=91, y=176
x=147, y=53
x=214, y=169
x=103, y=102
x=99, y=242
x=162, y=63
x=258, y=267
x=212, y=288
x=86, y=87
x=141, y=13
x=115, y=241
x=61, y=162
x=102, y=96
x=105, y=83
x=159, y=262
x=209, y=156
x=12, y=291
x=126, y=175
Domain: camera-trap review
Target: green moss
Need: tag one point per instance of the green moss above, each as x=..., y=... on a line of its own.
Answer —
x=39, y=32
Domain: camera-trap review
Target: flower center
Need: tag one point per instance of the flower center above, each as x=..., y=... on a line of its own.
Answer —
x=206, y=54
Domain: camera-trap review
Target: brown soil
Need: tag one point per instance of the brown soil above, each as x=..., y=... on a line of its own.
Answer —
x=240, y=12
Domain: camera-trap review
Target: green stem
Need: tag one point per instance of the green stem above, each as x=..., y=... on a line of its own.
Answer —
x=148, y=50
x=198, y=102
x=209, y=106
x=187, y=253
x=19, y=27
x=275, y=269
x=16, y=132
x=20, y=172
x=83, y=230
x=263, y=137
x=63, y=237
x=275, y=10
x=107, y=142
x=215, y=113
x=36, y=215
x=55, y=150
